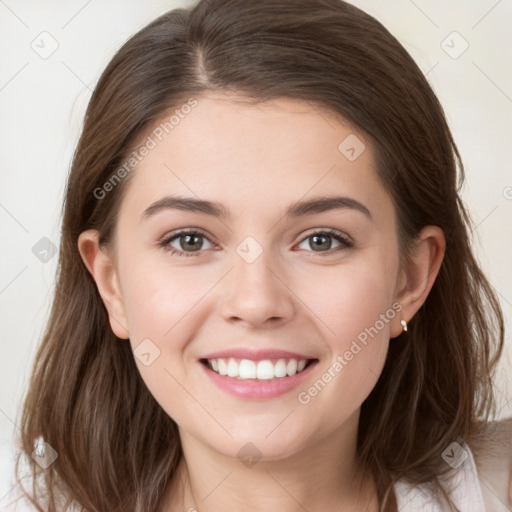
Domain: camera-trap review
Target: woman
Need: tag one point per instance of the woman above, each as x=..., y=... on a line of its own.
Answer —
x=267, y=297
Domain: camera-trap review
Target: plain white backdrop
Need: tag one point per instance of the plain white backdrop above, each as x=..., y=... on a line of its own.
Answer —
x=51, y=55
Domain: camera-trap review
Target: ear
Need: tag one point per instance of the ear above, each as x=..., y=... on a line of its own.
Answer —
x=101, y=266
x=417, y=279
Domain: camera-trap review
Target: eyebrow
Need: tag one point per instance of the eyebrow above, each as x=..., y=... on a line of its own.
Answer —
x=215, y=209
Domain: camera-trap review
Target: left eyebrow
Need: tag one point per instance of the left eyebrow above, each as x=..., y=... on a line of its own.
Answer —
x=215, y=209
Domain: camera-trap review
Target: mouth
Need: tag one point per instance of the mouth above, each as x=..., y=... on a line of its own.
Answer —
x=263, y=370
x=257, y=379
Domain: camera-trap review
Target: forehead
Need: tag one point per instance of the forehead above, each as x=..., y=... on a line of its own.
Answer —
x=254, y=155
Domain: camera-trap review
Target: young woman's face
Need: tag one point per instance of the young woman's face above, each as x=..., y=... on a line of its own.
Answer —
x=258, y=278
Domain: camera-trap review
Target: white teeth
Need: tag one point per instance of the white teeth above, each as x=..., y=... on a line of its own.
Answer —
x=280, y=368
x=246, y=369
x=265, y=370
x=232, y=368
x=262, y=370
x=223, y=367
x=291, y=367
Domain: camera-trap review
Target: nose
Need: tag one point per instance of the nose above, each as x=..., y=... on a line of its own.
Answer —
x=257, y=293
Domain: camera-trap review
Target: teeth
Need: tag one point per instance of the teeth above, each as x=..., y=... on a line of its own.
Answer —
x=246, y=369
x=291, y=367
x=232, y=368
x=223, y=367
x=280, y=368
x=262, y=370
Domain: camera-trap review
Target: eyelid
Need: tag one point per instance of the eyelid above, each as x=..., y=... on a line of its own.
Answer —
x=185, y=231
x=329, y=231
x=345, y=240
x=340, y=236
x=168, y=237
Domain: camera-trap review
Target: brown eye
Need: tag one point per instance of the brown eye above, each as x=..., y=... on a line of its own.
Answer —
x=192, y=242
x=321, y=241
x=186, y=243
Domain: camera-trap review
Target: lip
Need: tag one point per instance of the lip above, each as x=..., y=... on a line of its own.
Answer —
x=255, y=355
x=258, y=389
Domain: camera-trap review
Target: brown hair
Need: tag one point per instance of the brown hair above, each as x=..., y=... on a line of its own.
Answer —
x=117, y=448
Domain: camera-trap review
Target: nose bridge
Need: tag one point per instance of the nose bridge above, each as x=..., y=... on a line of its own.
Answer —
x=256, y=291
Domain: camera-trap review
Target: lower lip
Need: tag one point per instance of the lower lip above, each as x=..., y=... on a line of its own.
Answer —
x=258, y=389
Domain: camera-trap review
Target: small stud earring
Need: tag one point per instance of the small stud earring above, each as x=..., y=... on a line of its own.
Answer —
x=404, y=324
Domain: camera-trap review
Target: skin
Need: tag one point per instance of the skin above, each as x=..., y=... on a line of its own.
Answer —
x=256, y=160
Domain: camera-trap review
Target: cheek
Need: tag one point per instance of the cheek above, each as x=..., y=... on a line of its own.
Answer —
x=160, y=307
x=351, y=298
x=157, y=299
x=355, y=308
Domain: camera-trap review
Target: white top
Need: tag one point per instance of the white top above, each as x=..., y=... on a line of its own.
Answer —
x=466, y=491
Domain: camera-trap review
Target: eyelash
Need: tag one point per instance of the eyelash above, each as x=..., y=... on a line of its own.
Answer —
x=164, y=243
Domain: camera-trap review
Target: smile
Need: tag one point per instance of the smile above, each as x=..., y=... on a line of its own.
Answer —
x=266, y=369
x=257, y=379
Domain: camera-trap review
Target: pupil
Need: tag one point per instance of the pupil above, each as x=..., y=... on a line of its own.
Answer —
x=196, y=237
x=316, y=237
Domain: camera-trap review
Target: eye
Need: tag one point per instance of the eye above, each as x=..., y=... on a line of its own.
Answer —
x=190, y=242
x=323, y=240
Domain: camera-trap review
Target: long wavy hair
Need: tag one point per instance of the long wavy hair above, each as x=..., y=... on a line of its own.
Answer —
x=117, y=448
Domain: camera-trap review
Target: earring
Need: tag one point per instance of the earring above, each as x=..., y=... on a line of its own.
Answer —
x=404, y=324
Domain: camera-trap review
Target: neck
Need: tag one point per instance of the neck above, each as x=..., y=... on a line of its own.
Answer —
x=323, y=475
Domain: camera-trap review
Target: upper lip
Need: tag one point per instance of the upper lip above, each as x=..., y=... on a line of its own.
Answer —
x=255, y=355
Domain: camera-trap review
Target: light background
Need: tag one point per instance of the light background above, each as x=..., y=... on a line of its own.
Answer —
x=43, y=100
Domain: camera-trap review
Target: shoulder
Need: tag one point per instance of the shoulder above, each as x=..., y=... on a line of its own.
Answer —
x=491, y=447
